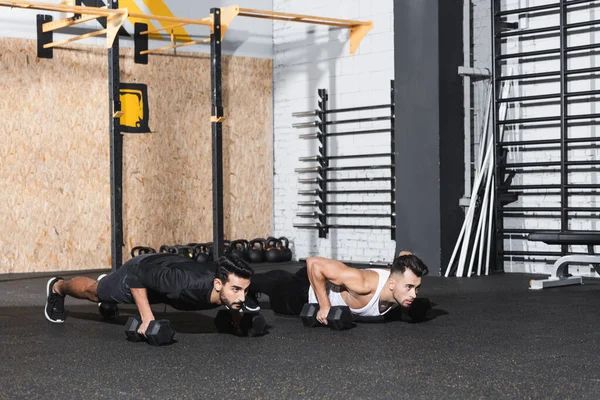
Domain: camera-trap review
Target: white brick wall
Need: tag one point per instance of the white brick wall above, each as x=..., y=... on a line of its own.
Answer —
x=310, y=57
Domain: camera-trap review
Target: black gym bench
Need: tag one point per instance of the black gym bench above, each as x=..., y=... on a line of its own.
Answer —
x=560, y=276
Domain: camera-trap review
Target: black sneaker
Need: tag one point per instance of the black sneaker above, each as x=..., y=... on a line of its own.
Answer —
x=55, y=303
x=251, y=304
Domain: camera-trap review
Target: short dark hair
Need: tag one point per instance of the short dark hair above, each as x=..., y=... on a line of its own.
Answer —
x=230, y=264
x=409, y=261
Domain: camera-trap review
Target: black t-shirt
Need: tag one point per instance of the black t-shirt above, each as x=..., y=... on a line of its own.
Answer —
x=171, y=279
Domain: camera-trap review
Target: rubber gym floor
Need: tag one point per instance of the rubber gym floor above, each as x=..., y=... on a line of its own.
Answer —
x=488, y=337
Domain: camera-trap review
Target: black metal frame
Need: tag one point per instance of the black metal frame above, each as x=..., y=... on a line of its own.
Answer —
x=116, y=152
x=563, y=121
x=324, y=159
x=322, y=203
x=216, y=75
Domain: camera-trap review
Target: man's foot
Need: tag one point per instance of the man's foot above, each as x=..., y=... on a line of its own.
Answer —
x=251, y=304
x=55, y=303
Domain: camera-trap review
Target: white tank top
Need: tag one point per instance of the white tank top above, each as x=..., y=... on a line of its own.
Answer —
x=370, y=310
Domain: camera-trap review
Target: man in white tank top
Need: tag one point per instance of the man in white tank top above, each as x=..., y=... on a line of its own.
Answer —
x=367, y=292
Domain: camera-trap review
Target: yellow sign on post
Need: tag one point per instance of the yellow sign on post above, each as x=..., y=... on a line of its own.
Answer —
x=134, y=106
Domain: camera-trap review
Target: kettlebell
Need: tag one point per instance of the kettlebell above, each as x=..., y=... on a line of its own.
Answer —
x=257, y=250
x=185, y=251
x=139, y=250
x=200, y=253
x=209, y=250
x=286, y=252
x=272, y=253
x=168, y=249
x=239, y=249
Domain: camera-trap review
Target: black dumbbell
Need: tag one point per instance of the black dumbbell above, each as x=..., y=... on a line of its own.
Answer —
x=108, y=311
x=417, y=311
x=158, y=332
x=338, y=318
x=250, y=323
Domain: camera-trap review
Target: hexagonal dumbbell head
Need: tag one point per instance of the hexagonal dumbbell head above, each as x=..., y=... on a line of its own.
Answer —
x=308, y=315
x=160, y=333
x=339, y=317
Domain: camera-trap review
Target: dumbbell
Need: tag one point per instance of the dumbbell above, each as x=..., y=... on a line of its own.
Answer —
x=158, y=332
x=250, y=324
x=338, y=318
x=417, y=311
x=108, y=311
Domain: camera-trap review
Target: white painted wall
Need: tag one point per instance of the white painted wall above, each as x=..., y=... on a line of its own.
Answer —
x=309, y=57
x=247, y=37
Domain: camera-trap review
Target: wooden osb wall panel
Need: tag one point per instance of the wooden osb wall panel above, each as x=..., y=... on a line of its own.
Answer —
x=55, y=198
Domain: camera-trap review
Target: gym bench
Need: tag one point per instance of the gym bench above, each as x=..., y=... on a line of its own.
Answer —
x=560, y=276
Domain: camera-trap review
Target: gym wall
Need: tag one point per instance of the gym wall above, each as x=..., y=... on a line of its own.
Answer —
x=578, y=221
x=55, y=202
x=307, y=58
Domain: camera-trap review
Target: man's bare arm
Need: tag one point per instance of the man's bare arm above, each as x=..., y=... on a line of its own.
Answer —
x=140, y=296
x=320, y=270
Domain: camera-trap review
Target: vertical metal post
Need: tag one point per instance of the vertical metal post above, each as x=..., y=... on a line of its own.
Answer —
x=564, y=198
x=498, y=243
x=393, y=183
x=116, y=153
x=323, y=162
x=217, y=133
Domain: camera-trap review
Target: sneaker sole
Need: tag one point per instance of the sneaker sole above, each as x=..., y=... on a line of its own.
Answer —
x=253, y=309
x=98, y=280
x=58, y=321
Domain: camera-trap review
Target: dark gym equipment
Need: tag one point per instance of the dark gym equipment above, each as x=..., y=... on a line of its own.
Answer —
x=338, y=318
x=159, y=332
x=286, y=252
x=325, y=170
x=516, y=177
x=257, y=250
x=108, y=311
x=272, y=252
x=239, y=249
x=182, y=250
x=200, y=253
x=252, y=324
x=139, y=250
x=417, y=311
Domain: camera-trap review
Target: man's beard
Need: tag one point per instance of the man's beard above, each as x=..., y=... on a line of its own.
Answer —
x=227, y=303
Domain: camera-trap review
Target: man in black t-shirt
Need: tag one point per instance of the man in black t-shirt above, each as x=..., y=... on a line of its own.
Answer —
x=171, y=279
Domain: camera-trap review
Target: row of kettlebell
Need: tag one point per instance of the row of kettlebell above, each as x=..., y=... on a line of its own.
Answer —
x=261, y=250
x=257, y=250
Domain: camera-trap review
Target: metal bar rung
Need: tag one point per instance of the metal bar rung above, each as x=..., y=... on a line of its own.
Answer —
x=310, y=136
x=305, y=113
x=305, y=124
x=307, y=214
x=308, y=192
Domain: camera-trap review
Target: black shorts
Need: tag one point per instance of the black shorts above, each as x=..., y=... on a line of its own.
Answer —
x=114, y=287
x=288, y=292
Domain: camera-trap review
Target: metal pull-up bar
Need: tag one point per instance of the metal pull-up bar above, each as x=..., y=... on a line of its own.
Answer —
x=358, y=29
x=115, y=19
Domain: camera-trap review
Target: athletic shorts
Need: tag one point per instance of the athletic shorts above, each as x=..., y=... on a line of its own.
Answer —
x=114, y=287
